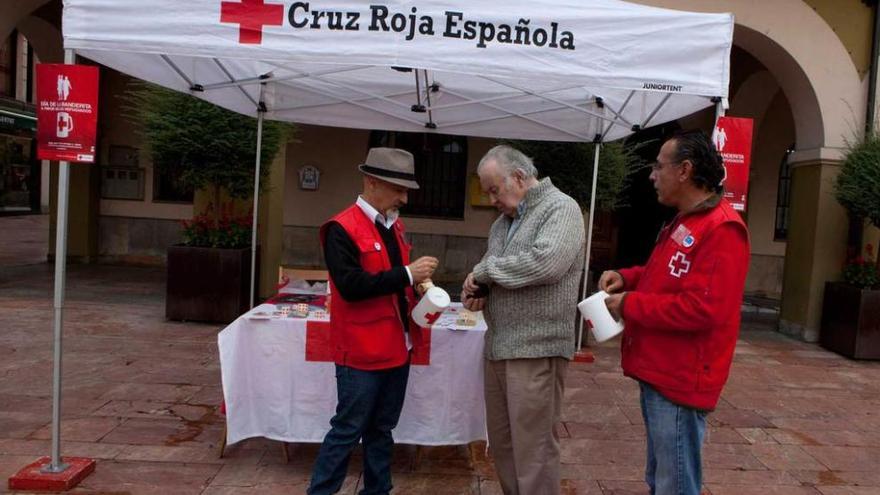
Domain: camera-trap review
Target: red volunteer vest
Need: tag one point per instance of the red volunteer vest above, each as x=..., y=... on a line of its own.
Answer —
x=368, y=334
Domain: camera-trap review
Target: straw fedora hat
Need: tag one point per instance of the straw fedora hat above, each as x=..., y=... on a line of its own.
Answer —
x=391, y=165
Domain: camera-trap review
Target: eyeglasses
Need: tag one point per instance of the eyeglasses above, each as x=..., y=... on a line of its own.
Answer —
x=658, y=164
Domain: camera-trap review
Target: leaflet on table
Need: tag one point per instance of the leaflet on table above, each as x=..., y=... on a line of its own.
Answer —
x=281, y=311
x=452, y=318
x=457, y=319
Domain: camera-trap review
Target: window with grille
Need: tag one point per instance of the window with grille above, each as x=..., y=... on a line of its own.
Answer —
x=7, y=65
x=441, y=171
x=122, y=183
x=122, y=177
x=783, y=197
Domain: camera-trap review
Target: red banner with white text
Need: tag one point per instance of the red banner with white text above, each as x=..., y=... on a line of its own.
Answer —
x=67, y=112
x=733, y=139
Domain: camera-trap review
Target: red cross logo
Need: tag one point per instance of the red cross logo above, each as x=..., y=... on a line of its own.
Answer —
x=433, y=317
x=251, y=15
x=679, y=265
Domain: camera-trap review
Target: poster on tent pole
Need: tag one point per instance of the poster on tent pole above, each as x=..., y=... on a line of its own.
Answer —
x=67, y=112
x=733, y=138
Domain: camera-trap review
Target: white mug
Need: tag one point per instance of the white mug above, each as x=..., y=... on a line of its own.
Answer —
x=433, y=304
x=603, y=325
x=64, y=125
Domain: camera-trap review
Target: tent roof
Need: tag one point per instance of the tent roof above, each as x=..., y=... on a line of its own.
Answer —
x=565, y=71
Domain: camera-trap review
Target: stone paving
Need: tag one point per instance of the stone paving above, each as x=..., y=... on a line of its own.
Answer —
x=24, y=240
x=140, y=395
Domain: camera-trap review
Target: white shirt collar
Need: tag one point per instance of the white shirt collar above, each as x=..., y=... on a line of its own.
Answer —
x=374, y=215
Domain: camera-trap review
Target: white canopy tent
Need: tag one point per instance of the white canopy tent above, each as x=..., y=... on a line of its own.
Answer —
x=534, y=70
x=564, y=70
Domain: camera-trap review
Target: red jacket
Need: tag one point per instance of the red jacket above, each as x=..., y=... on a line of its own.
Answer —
x=682, y=309
x=369, y=334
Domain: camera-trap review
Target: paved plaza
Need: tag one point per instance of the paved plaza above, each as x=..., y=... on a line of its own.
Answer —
x=141, y=395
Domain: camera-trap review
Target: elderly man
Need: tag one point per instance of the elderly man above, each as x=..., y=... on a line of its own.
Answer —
x=682, y=310
x=372, y=280
x=528, y=283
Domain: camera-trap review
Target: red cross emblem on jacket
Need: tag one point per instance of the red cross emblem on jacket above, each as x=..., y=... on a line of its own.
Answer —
x=679, y=264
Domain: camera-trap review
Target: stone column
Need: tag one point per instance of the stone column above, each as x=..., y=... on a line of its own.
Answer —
x=816, y=245
x=83, y=210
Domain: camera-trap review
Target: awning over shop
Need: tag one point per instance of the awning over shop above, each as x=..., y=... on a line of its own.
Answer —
x=17, y=120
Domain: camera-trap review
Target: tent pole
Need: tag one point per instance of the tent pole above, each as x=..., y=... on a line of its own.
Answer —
x=589, y=241
x=260, y=111
x=56, y=465
x=719, y=109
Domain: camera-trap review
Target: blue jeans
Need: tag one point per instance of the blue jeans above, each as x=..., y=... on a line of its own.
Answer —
x=368, y=407
x=675, y=437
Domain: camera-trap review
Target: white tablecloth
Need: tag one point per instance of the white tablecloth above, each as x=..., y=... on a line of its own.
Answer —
x=272, y=391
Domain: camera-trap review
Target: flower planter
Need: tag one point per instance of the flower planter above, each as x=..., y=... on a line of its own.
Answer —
x=208, y=284
x=851, y=321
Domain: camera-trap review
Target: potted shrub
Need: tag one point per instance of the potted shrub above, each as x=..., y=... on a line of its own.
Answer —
x=212, y=150
x=851, y=308
x=208, y=274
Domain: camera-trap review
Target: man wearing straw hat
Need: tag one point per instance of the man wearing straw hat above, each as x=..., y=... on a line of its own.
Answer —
x=528, y=283
x=371, y=280
x=682, y=310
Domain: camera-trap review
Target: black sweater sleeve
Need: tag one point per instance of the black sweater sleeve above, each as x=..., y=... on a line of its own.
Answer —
x=352, y=282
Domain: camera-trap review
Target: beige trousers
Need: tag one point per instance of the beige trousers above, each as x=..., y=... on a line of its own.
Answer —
x=523, y=405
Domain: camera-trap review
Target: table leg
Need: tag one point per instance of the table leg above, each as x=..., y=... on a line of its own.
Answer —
x=417, y=458
x=222, y=441
x=284, y=453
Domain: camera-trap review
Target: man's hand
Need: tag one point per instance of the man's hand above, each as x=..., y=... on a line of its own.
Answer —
x=468, y=288
x=614, y=303
x=422, y=268
x=610, y=282
x=472, y=303
x=423, y=287
x=470, y=285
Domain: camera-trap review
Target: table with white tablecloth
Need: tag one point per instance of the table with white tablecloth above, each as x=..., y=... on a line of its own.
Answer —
x=275, y=387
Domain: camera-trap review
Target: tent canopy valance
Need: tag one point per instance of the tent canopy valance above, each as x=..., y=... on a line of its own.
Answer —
x=563, y=71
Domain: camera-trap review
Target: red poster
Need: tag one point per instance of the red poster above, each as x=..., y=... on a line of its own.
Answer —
x=733, y=138
x=67, y=112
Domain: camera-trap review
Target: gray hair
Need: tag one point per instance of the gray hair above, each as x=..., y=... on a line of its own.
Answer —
x=510, y=160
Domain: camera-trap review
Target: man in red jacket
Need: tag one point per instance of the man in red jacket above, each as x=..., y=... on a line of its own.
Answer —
x=682, y=310
x=371, y=279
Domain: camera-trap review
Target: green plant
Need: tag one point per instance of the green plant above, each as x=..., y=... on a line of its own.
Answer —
x=858, y=184
x=210, y=147
x=570, y=166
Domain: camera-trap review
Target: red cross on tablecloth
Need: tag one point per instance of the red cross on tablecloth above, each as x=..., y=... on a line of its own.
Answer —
x=251, y=15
